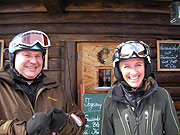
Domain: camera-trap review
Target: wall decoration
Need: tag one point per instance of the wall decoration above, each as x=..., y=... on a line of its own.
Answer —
x=104, y=55
x=168, y=55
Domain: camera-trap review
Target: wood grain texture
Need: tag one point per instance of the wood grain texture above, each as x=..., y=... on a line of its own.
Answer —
x=90, y=21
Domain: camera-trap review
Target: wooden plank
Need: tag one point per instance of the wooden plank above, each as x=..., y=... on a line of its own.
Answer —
x=115, y=6
x=70, y=69
x=73, y=69
x=54, y=6
x=55, y=52
x=168, y=77
x=22, y=7
x=86, y=17
x=119, y=6
x=177, y=105
x=55, y=75
x=113, y=29
x=56, y=64
x=174, y=92
x=67, y=79
x=80, y=83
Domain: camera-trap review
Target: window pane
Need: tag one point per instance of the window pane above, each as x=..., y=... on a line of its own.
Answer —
x=104, y=77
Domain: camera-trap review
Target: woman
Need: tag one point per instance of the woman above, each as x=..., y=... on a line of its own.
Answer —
x=136, y=105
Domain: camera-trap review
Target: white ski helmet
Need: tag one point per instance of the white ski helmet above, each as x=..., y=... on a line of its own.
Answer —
x=30, y=40
x=131, y=49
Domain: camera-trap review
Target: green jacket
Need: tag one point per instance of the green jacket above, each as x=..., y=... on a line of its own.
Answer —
x=155, y=113
x=16, y=109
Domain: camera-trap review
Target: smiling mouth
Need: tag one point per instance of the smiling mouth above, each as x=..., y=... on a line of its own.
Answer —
x=134, y=78
x=31, y=68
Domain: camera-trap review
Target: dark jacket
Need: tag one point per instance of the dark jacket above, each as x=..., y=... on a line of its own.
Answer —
x=16, y=108
x=153, y=114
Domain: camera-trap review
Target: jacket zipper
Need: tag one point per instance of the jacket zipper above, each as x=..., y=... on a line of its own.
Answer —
x=38, y=93
x=125, y=133
x=146, y=121
x=29, y=103
x=137, y=119
x=128, y=123
x=137, y=116
x=152, y=119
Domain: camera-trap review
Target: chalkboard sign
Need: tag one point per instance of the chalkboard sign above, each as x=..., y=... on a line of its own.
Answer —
x=168, y=55
x=92, y=108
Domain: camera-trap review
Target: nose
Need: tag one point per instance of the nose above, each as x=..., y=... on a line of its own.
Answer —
x=133, y=71
x=33, y=59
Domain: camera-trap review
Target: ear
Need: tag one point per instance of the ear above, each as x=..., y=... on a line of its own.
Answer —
x=147, y=70
x=118, y=73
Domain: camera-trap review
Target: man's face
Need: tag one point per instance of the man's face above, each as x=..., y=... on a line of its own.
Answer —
x=28, y=63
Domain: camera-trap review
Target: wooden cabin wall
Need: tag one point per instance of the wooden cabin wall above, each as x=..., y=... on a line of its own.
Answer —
x=67, y=29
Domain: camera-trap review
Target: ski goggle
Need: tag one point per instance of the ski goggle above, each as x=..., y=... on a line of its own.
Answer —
x=132, y=49
x=30, y=38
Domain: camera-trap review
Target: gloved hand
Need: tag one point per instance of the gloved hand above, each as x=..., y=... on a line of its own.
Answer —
x=58, y=120
x=38, y=123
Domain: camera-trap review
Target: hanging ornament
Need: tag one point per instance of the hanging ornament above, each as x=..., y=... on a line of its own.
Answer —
x=103, y=55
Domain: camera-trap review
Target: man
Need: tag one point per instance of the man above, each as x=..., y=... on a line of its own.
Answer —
x=30, y=102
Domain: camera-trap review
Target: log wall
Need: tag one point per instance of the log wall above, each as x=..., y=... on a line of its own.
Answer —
x=97, y=24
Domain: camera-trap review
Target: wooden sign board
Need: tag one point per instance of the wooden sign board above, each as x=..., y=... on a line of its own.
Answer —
x=168, y=55
x=92, y=108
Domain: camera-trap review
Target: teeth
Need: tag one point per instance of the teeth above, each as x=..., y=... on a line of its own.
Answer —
x=134, y=78
x=31, y=67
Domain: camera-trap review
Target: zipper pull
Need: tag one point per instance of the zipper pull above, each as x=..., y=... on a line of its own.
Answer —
x=146, y=121
x=128, y=123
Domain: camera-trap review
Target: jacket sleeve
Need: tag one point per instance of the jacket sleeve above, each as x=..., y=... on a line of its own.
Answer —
x=71, y=127
x=12, y=127
x=171, y=122
x=106, y=125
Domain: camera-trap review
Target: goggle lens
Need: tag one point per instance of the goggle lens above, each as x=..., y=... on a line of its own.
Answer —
x=127, y=50
x=142, y=53
x=31, y=38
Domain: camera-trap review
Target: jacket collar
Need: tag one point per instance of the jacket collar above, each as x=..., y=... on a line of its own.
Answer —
x=48, y=82
x=119, y=91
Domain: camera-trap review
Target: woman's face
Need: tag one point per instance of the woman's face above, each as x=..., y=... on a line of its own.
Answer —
x=133, y=71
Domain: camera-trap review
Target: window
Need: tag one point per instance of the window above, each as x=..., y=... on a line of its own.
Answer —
x=104, y=78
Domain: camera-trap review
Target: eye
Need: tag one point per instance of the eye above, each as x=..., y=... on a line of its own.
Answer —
x=126, y=66
x=38, y=56
x=26, y=55
x=138, y=65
